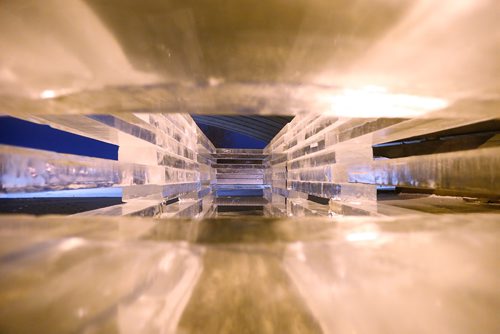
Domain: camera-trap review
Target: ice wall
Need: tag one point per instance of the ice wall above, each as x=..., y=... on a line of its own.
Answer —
x=332, y=158
x=160, y=157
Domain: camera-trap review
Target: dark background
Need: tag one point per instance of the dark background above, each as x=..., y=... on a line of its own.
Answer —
x=17, y=132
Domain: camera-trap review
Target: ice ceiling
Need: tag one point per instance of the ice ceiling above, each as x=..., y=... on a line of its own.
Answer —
x=242, y=57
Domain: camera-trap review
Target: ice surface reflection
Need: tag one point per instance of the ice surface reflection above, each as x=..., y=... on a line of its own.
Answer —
x=374, y=101
x=251, y=275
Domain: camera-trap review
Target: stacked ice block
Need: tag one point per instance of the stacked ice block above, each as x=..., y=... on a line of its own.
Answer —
x=160, y=157
x=240, y=172
x=333, y=158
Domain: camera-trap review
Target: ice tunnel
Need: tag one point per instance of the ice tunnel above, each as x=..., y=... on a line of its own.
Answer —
x=223, y=166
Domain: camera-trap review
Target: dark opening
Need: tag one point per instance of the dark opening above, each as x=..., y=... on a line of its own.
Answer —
x=17, y=132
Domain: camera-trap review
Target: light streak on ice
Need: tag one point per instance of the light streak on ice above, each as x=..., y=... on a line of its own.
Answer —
x=375, y=101
x=47, y=94
x=362, y=236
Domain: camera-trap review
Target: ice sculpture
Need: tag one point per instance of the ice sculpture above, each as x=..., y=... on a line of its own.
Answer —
x=375, y=210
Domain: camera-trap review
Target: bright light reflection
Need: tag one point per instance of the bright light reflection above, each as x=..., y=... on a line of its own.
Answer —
x=362, y=236
x=375, y=101
x=47, y=94
x=71, y=243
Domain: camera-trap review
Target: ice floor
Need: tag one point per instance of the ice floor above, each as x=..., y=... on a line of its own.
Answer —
x=419, y=274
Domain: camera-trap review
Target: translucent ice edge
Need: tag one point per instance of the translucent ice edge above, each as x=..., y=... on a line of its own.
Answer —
x=92, y=192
